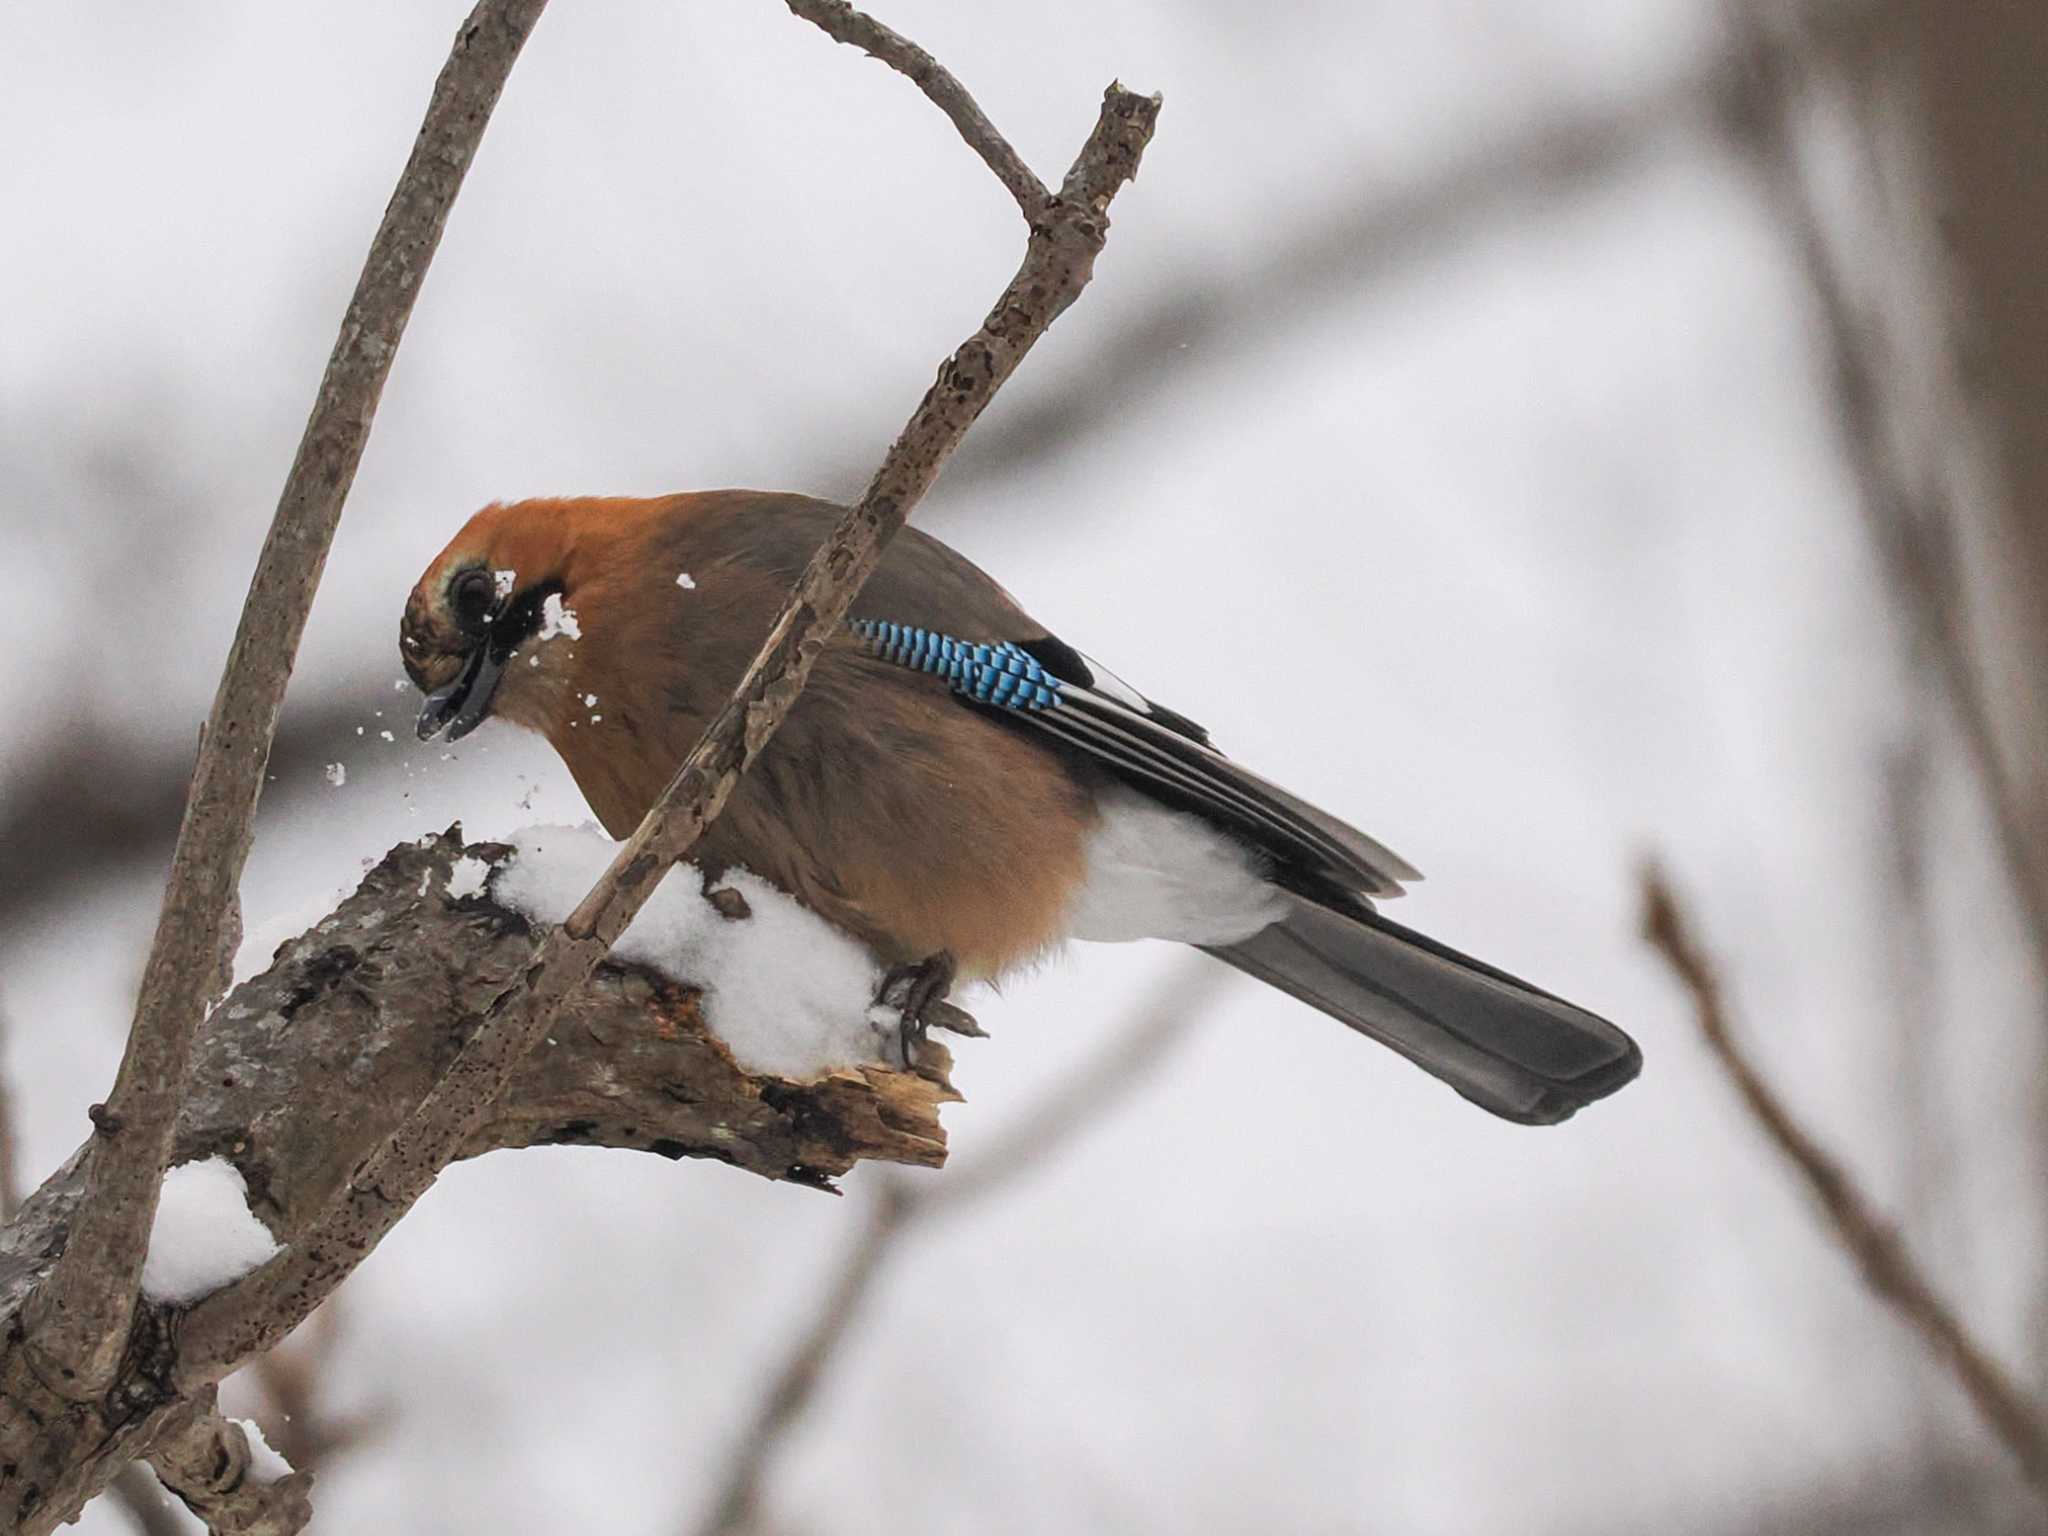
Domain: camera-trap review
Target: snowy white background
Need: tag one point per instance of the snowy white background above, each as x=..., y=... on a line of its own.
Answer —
x=1530, y=554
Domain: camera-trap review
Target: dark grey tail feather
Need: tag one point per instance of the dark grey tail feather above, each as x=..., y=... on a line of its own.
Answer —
x=1505, y=1045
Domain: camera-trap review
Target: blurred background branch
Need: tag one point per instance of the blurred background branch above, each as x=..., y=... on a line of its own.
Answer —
x=1636, y=408
x=1914, y=521
x=1869, y=1240
x=897, y=1208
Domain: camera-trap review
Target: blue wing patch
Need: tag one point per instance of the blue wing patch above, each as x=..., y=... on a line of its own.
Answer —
x=1005, y=674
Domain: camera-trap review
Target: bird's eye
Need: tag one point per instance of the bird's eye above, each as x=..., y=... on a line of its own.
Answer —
x=471, y=599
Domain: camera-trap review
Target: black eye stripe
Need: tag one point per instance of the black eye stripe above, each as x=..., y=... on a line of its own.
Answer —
x=520, y=617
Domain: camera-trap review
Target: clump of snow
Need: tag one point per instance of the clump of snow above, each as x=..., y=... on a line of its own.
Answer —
x=504, y=582
x=557, y=618
x=266, y=1465
x=784, y=989
x=469, y=875
x=337, y=774
x=683, y=580
x=205, y=1234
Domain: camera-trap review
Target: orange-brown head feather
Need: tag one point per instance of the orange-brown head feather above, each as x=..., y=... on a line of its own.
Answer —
x=553, y=566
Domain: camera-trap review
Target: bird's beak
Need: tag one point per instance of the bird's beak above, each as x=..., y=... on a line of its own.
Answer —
x=461, y=706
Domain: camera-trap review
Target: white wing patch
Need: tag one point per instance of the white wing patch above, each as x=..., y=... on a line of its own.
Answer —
x=1155, y=873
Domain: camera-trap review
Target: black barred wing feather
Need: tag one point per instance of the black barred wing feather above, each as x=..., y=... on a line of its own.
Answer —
x=1521, y=1052
x=1056, y=689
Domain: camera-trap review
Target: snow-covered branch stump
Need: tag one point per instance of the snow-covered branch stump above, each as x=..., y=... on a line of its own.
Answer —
x=305, y=1069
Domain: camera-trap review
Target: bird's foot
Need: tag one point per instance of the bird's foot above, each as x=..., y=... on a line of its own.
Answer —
x=916, y=995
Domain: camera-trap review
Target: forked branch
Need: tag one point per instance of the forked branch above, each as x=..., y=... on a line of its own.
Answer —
x=1058, y=261
x=95, y=1375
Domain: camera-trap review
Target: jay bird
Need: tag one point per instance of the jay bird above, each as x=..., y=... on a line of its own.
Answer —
x=956, y=788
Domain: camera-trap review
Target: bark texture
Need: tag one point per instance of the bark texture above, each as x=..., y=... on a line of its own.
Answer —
x=304, y=1070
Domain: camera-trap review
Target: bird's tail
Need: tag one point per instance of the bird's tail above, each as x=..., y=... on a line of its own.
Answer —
x=1505, y=1045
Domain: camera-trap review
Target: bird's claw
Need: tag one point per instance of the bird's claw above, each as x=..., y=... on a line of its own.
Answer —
x=916, y=994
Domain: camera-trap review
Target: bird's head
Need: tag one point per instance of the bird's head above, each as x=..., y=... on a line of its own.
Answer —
x=492, y=627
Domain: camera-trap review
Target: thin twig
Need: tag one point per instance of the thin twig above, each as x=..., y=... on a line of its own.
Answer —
x=899, y=1205
x=842, y=23
x=1879, y=1253
x=1207, y=316
x=1059, y=259
x=80, y=1322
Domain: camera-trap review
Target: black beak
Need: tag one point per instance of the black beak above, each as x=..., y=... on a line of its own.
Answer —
x=461, y=706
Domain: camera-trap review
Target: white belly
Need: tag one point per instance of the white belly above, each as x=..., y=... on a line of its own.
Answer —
x=1155, y=873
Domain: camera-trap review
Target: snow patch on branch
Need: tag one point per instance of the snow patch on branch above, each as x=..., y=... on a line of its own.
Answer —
x=784, y=989
x=266, y=1465
x=468, y=876
x=205, y=1235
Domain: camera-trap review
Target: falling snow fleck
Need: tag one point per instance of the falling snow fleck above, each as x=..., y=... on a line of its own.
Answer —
x=683, y=580
x=337, y=774
x=558, y=618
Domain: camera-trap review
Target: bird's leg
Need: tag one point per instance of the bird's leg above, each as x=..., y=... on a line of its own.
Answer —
x=918, y=993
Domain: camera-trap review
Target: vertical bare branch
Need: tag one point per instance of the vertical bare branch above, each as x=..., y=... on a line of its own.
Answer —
x=1913, y=531
x=132, y=1488
x=899, y=1205
x=1058, y=262
x=1974, y=85
x=81, y=1317
x=1879, y=1254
